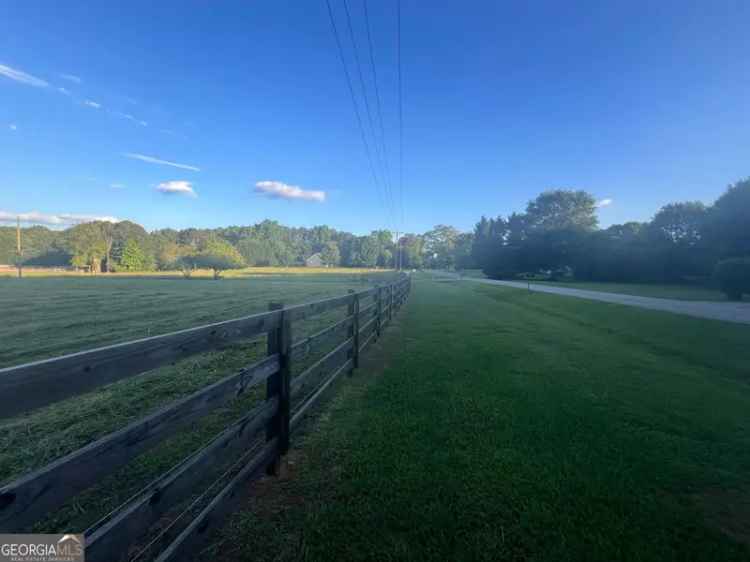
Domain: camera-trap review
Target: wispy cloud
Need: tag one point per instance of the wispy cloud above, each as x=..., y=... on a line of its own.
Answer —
x=177, y=187
x=604, y=202
x=22, y=77
x=117, y=185
x=35, y=217
x=122, y=115
x=154, y=160
x=130, y=117
x=64, y=91
x=93, y=104
x=280, y=190
x=13, y=127
x=70, y=78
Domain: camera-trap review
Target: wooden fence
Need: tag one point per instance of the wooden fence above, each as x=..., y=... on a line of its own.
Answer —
x=30, y=498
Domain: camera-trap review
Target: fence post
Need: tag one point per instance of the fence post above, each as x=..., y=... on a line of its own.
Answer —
x=378, y=311
x=390, y=303
x=355, y=329
x=280, y=341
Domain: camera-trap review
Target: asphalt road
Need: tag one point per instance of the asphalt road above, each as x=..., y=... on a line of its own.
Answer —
x=727, y=311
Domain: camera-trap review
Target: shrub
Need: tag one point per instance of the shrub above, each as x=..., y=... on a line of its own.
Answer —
x=733, y=276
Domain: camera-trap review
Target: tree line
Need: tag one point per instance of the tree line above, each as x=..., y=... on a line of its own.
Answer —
x=558, y=236
x=127, y=246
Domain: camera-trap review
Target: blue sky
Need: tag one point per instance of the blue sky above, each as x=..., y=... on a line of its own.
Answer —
x=641, y=103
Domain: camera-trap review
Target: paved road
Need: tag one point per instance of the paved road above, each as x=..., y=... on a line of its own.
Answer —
x=728, y=311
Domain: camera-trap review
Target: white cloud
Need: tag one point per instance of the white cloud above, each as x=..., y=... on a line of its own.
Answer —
x=22, y=77
x=177, y=187
x=35, y=217
x=130, y=117
x=280, y=190
x=154, y=160
x=604, y=202
x=64, y=91
x=71, y=78
x=13, y=127
x=92, y=104
x=117, y=185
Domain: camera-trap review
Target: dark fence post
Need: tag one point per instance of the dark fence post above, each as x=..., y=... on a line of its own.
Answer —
x=390, y=303
x=280, y=341
x=378, y=311
x=350, y=331
x=355, y=355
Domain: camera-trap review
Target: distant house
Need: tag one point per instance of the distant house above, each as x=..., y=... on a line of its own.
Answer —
x=316, y=260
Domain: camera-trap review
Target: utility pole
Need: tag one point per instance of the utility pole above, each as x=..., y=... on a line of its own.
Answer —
x=19, y=251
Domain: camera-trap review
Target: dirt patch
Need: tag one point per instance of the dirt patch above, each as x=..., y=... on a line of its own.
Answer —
x=727, y=511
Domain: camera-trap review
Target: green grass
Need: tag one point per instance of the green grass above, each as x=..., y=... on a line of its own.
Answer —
x=473, y=273
x=661, y=291
x=45, y=317
x=529, y=427
x=49, y=316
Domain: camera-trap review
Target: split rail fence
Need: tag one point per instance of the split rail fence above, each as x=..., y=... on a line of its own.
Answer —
x=32, y=497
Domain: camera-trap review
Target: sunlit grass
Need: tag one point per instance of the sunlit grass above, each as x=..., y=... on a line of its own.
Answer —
x=44, y=317
x=523, y=426
x=198, y=273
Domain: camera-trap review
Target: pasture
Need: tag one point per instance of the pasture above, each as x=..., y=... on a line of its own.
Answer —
x=514, y=426
x=49, y=315
x=46, y=317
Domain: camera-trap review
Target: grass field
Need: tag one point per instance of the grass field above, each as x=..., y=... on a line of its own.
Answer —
x=679, y=292
x=8, y=271
x=49, y=316
x=529, y=427
x=656, y=290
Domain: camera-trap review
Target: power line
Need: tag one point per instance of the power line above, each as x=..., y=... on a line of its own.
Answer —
x=400, y=118
x=389, y=183
x=388, y=196
x=354, y=102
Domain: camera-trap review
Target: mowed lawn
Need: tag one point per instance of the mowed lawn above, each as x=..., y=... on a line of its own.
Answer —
x=659, y=291
x=49, y=316
x=45, y=317
x=516, y=426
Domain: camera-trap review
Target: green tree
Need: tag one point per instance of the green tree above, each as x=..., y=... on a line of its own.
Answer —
x=87, y=246
x=728, y=222
x=133, y=257
x=562, y=209
x=439, y=246
x=218, y=255
x=412, y=253
x=330, y=254
x=369, y=250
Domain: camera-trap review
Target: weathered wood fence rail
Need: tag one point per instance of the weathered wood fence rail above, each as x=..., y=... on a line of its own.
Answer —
x=30, y=498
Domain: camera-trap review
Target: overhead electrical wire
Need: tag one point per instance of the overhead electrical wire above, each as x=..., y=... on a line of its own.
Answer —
x=356, y=106
x=387, y=170
x=400, y=114
x=388, y=195
x=400, y=126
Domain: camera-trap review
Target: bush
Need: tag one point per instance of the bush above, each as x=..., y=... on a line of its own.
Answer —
x=733, y=276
